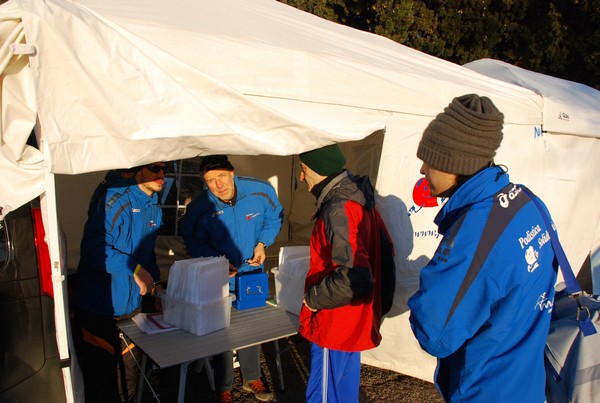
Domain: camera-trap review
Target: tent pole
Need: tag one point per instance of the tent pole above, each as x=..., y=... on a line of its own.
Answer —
x=58, y=267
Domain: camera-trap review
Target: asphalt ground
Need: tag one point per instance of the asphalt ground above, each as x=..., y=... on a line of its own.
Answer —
x=376, y=385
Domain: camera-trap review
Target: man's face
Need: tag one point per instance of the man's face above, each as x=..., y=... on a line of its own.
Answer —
x=150, y=178
x=220, y=182
x=309, y=176
x=439, y=181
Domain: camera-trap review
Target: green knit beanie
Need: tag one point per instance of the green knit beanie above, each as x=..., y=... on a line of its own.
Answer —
x=464, y=138
x=325, y=160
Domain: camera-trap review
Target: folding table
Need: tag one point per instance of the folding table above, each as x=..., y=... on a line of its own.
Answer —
x=177, y=347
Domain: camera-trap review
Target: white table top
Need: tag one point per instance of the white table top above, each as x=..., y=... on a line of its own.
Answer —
x=247, y=328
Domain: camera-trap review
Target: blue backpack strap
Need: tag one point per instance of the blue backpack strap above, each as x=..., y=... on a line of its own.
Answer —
x=497, y=221
x=573, y=288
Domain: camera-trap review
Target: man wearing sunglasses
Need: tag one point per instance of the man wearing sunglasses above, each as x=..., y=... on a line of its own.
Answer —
x=117, y=267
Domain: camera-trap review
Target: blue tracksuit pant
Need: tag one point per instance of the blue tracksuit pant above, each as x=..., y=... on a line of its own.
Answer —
x=334, y=376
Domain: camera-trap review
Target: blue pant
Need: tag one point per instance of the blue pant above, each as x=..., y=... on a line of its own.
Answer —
x=334, y=376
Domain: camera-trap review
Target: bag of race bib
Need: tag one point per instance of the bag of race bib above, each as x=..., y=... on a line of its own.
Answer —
x=572, y=353
x=572, y=357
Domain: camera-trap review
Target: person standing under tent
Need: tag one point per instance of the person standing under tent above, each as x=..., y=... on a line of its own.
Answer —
x=236, y=217
x=485, y=298
x=345, y=292
x=117, y=267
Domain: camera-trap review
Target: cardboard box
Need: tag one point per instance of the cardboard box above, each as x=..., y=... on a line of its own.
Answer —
x=198, y=319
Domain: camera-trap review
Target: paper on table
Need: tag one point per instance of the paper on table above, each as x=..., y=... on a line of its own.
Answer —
x=152, y=323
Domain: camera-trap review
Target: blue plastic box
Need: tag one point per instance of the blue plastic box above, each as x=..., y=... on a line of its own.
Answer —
x=252, y=290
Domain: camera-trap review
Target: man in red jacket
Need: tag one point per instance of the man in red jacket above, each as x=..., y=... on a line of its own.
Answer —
x=342, y=308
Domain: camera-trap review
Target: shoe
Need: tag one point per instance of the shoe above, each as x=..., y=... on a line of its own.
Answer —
x=258, y=388
x=225, y=397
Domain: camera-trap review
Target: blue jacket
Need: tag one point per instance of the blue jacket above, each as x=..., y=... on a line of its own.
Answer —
x=214, y=228
x=120, y=233
x=485, y=298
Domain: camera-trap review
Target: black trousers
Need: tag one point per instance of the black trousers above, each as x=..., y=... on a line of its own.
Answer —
x=109, y=371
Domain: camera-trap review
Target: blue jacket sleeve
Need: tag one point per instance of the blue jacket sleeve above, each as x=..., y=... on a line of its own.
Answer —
x=273, y=219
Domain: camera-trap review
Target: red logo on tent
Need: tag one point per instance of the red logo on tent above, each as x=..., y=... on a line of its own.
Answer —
x=422, y=197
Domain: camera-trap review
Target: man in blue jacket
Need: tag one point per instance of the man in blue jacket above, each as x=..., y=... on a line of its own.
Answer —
x=117, y=267
x=485, y=298
x=237, y=217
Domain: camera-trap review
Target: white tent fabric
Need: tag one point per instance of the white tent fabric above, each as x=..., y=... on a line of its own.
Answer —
x=181, y=78
x=120, y=83
x=569, y=107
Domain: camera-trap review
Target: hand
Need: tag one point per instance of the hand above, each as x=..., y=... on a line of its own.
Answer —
x=260, y=255
x=144, y=280
x=309, y=308
x=156, y=288
x=232, y=270
x=157, y=300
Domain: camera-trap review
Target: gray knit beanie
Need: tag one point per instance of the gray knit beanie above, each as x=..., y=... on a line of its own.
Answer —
x=464, y=138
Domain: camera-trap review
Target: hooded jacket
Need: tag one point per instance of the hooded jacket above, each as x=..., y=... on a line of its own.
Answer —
x=343, y=281
x=485, y=298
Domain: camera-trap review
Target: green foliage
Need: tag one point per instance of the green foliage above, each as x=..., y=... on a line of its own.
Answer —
x=322, y=8
x=560, y=38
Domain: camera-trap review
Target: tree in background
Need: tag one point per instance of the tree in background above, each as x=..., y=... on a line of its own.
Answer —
x=560, y=38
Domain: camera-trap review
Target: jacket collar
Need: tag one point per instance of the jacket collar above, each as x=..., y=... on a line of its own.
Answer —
x=332, y=184
x=480, y=186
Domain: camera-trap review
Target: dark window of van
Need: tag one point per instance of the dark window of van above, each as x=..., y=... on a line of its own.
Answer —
x=4, y=247
x=30, y=368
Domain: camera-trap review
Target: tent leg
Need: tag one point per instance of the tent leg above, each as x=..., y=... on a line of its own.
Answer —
x=49, y=215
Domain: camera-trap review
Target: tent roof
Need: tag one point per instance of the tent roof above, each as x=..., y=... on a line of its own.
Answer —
x=109, y=75
x=121, y=83
x=569, y=107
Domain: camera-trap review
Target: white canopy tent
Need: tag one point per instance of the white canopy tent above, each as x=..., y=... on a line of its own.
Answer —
x=119, y=83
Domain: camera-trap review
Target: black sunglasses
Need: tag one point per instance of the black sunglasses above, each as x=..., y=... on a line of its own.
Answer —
x=157, y=168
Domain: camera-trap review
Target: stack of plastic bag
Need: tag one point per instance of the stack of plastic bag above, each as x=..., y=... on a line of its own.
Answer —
x=290, y=275
x=197, y=298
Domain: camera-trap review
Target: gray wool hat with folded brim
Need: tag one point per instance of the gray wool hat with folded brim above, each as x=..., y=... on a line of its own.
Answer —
x=464, y=138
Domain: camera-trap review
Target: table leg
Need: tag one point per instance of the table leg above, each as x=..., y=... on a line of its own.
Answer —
x=140, y=386
x=278, y=363
x=210, y=373
x=183, y=368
